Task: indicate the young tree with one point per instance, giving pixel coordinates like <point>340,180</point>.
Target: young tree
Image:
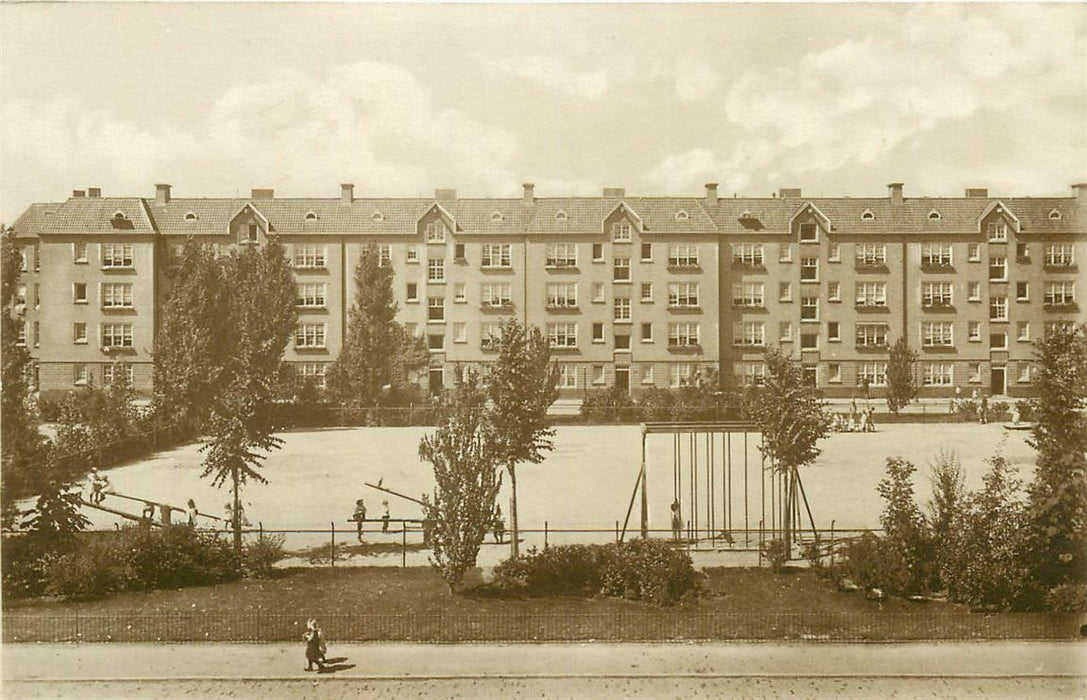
<point>1057,545</point>
<point>258,322</point>
<point>791,419</point>
<point>468,477</point>
<point>901,386</point>
<point>904,526</point>
<point>56,514</point>
<point>522,385</point>
<point>189,350</point>
<point>948,480</point>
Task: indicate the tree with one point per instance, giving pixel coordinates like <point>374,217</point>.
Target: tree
<point>904,526</point>
<point>901,386</point>
<point>255,327</point>
<point>1057,505</point>
<point>56,514</point>
<point>522,385</point>
<point>189,350</point>
<point>948,479</point>
<point>791,419</point>
<point>377,355</point>
<point>467,474</point>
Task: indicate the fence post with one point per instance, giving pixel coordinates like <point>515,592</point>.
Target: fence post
<point>760,542</point>
<point>332,554</point>
<point>545,535</point>
<point>403,544</point>
<point>616,530</point>
<point>832,545</point>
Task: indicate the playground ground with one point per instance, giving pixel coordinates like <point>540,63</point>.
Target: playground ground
<point>586,483</point>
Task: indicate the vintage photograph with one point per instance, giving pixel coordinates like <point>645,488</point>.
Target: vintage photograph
<point>543,350</point>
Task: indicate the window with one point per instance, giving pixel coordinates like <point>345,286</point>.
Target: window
<point>620,232</point>
<point>497,216</point>
<point>384,255</point>
<point>496,255</point>
<point>834,252</point>
<point>377,216</point>
<point>251,233</point>
<point>561,216</point>
<point>809,340</point>
<point>752,373</point>
<point>681,374</point>
<point>435,270</point>
<point>647,374</point>
<point>747,255</point>
<point>496,295</point>
<point>190,216</point>
<point>936,255</point>
<point>834,373</point>
<point>647,332</point>
<point>490,333</point>
<point>871,335</point>
<point>973,252</point>
<point>872,374</point>
<point>1022,252</point>
<point>412,293</point>
<point>116,335</point>
<point>682,335</point>
<point>460,293</point>
<point>598,332</point>
<point>998,232</point>
<point>79,333</point>
<point>79,252</point>
<point>111,373</point>
<point>1024,373</point>
<point>411,254</point>
<point>458,252</point>
<point>1022,291</point>
<point>310,217</point>
<point>81,375</point>
<point>621,270</point>
<point>567,376</point>
<point>647,292</point>
<point>809,269</point>
<point>683,294</point>
<point>311,372</point>
<point>834,331</point>
<point>748,333</point>
<point>79,292</point>
<point>998,309</point>
<point>598,293</point>
<point>974,291</point>
<point>937,334</point>
<point>460,332</point>
<point>871,254</point>
<point>435,341</point>
<point>598,374</point>
<point>785,331</point>
<point>1055,215</point>
<point>1022,331</point>
<point>936,294</point>
<point>647,252</point>
<point>598,252</point>
<point>998,268</point>
<point>1059,255</point>
<point>622,341</point>
<point>870,294</point>
<point>20,295</point>
<point>868,215</point>
<point>682,215</point>
<point>973,331</point>
<point>785,254</point>
<point>20,338</point>
<point>974,373</point>
<point>309,256</point>
<point>561,255</point>
<point>785,291</point>
<point>809,308</point>
<point>998,341</point>
<point>309,335</point>
<point>37,295</point>
<point>562,295</point>
<point>937,374</point>
<point>435,308</point>
<point>562,335</point>
<point>934,215</point>
<point>310,295</point>
<point>116,255</point>
<point>809,233</point>
<point>834,291</point>
<point>116,295</point>
<point>622,310</point>
<point>1060,293</point>
<point>1054,326</point>
<point>435,232</point>
<point>748,295</point>
<point>685,255</point>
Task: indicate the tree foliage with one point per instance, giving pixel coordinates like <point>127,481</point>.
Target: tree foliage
<point>904,526</point>
<point>901,384</point>
<point>468,477</point>
<point>789,414</point>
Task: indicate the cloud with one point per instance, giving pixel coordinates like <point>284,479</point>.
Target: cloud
<point>695,80</point>
<point>559,75</point>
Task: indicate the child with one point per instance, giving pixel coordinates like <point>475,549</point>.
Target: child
<point>315,653</point>
<point>192,512</point>
<point>499,525</point>
<point>359,517</point>
<point>385,516</point>
<point>677,522</point>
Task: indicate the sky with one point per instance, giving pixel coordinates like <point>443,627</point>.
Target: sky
<point>660,99</point>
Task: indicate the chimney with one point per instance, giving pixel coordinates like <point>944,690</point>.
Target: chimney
<point>262,194</point>
<point>711,193</point>
<point>95,192</point>
<point>445,194</point>
<point>347,193</point>
<point>529,192</point>
<point>79,193</point>
<point>162,195</point>
<point>1081,191</point>
<point>614,192</point>
<point>789,193</point>
<point>895,191</point>
<point>977,193</point>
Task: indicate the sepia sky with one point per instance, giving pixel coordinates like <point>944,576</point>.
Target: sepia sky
<point>835,99</point>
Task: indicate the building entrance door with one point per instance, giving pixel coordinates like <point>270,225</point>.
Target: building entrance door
<point>997,378</point>
<point>437,380</point>
<point>622,379</point>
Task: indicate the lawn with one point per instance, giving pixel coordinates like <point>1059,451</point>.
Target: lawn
<point>379,603</point>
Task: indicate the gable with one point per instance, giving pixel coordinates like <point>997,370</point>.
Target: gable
<point>622,213</point>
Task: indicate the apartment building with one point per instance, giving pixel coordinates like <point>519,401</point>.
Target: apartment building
<point>632,292</point>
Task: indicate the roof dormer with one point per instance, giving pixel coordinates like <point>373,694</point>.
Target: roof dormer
<point>996,213</point>
<point>621,221</point>
<point>434,222</point>
<point>248,225</point>
<point>807,221</point>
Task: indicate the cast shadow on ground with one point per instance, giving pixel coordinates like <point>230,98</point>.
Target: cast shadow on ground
<point>335,664</point>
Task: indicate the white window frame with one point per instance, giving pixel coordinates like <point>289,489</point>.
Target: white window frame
<point>622,309</point>
<point>937,334</point>
<point>998,231</point>
<point>1022,331</point>
<point>683,295</point>
<point>599,295</point>
<point>973,252</point>
<point>1001,262</point>
<point>496,256</point>
<point>460,293</point>
<point>875,372</point>
<point>813,227</point>
<point>310,256</point>
<point>785,331</point>
<point>869,254</point>
<point>937,255</point>
<point>435,309</point>
<point>411,254</point>
<point>998,308</point>
<point>117,335</point>
<point>973,331</point>
<point>647,292</point>
<point>79,253</point>
<point>435,270</point>
<point>1060,254</point>
<point>490,333</point>
<point>683,334</point>
<point>117,256</point>
<point>562,335</point>
<point>748,295</point>
<point>310,336</point>
<point>567,375</point>
<point>1060,293</point>
<point>834,290</point>
<point>809,302</point>
<point>871,294</point>
<point>683,254</point>
<point>749,334</point>
<point>937,294</point>
<point>620,269</point>
<point>938,374</point>
<point>809,265</point>
<point>747,254</point>
<point>435,232</point>
<point>871,335</point>
<point>560,255</point>
<point>621,232</point>
<point>496,295</point>
<point>562,295</point>
<point>79,333</point>
<point>310,295</point>
<point>785,292</point>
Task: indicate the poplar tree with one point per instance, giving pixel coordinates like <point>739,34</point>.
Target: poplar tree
<point>901,385</point>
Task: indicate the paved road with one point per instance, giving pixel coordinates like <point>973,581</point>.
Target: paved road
<point>996,669</point>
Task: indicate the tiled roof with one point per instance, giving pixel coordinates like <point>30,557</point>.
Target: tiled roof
<point>581,215</point>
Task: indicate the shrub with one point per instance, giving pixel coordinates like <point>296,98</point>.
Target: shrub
<point>904,527</point>
<point>1026,410</point>
<point>774,552</point>
<point>26,559</point>
<point>657,404</point>
<point>968,408</point>
<point>93,571</point>
<point>564,570</point>
<point>874,562</point>
<point>260,556</point>
<point>1067,597</point>
<point>607,405</point>
<point>999,410</point>
<point>175,557</point>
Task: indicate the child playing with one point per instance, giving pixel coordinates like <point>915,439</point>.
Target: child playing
<point>315,646</point>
